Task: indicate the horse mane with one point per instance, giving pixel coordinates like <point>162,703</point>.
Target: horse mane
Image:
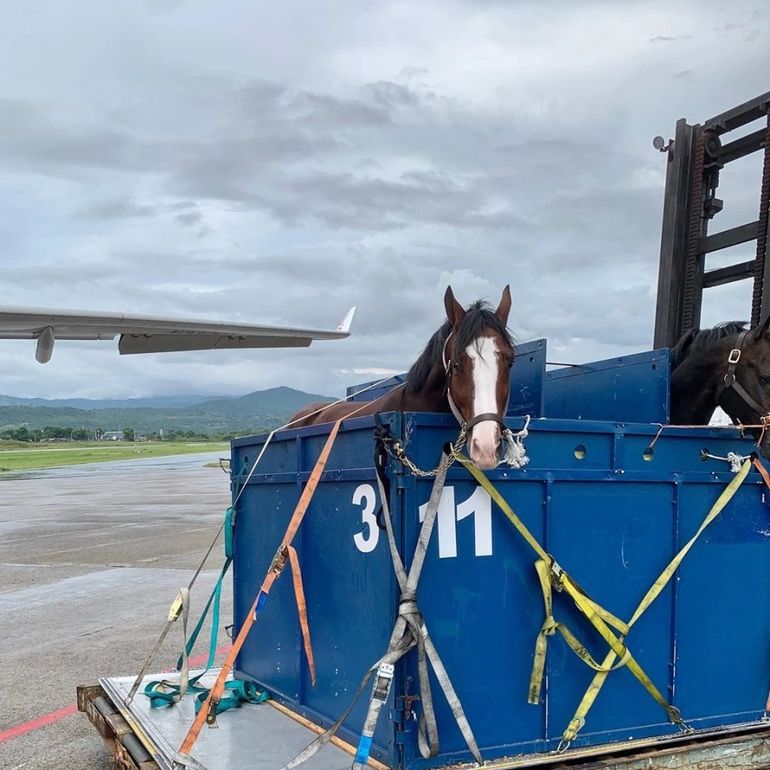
<point>697,339</point>
<point>478,317</point>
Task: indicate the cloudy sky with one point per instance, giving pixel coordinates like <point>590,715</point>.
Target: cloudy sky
<point>278,162</point>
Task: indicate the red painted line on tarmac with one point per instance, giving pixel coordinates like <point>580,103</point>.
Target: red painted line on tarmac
<point>196,660</point>
<point>36,724</point>
<point>68,711</point>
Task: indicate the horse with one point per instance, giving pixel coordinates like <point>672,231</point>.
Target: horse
<point>464,369</point>
<point>726,366</point>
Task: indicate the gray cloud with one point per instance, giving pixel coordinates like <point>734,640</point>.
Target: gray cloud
<point>119,208</point>
<point>281,163</point>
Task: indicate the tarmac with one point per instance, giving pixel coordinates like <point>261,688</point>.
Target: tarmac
<point>91,557</point>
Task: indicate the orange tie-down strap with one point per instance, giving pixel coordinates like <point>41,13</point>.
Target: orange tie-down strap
<point>759,465</point>
<point>299,596</point>
<point>207,713</point>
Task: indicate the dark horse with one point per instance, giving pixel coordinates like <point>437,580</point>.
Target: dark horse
<point>464,369</point>
<point>727,366</point>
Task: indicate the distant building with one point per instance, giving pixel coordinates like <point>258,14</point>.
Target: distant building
<point>112,435</point>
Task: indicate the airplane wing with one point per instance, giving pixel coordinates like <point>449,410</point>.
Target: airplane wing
<point>148,334</point>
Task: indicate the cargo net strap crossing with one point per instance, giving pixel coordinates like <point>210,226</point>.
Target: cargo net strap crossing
<point>409,632</point>
<point>551,575</point>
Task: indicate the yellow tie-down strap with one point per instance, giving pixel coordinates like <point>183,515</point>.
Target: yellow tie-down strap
<point>598,681</point>
<point>551,575</point>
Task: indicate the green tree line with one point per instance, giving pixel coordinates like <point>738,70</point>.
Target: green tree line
<point>59,433</point>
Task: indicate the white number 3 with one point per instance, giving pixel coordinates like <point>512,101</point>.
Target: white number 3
<point>366,495</point>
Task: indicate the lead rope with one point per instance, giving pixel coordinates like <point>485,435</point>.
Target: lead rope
<point>515,452</point>
<point>409,632</point>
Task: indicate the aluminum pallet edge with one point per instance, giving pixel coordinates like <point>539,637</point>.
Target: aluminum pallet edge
<point>130,748</point>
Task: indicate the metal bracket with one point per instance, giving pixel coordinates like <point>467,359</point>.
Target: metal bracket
<point>735,356</point>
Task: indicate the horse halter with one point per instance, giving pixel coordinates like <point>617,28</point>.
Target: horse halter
<point>731,382</point>
<point>466,425</point>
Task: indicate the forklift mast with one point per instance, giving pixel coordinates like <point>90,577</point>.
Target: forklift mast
<point>696,155</point>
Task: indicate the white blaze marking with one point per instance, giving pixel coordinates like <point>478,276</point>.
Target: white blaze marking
<point>483,354</point>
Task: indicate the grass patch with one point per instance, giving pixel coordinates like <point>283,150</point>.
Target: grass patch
<point>55,455</point>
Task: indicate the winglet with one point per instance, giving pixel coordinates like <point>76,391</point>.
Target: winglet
<point>347,321</point>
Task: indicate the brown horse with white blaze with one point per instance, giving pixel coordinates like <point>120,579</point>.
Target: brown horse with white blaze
<point>464,369</point>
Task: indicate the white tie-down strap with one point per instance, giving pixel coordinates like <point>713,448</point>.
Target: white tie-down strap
<point>409,632</point>
<point>515,451</point>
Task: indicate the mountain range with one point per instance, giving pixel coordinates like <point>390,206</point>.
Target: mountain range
<point>252,413</point>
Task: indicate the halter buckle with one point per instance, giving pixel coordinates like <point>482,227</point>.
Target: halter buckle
<point>735,356</point>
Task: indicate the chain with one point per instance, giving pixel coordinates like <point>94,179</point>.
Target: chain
<point>694,232</point>
<point>764,210</point>
<point>397,451</point>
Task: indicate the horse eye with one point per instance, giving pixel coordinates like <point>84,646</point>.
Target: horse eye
<point>765,379</point>
<point>456,366</point>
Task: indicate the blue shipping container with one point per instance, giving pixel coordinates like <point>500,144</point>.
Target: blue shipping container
<point>611,511</point>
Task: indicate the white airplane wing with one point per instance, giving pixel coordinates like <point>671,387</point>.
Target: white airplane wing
<point>140,334</point>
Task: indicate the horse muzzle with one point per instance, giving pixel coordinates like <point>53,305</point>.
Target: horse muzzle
<point>484,439</point>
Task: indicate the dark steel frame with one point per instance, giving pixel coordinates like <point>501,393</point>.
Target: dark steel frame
<point>695,157</point>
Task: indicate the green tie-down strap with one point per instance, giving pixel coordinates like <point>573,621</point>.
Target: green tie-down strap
<point>162,694</point>
<point>229,524</point>
<point>240,691</point>
<point>214,598</point>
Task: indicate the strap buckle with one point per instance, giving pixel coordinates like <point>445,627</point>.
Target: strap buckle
<point>735,356</point>
<point>383,681</point>
<point>211,713</point>
<point>175,610</point>
<point>556,573</point>
<point>279,560</point>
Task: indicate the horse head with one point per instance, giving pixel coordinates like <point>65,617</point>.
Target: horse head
<point>727,366</point>
<point>477,357</point>
<point>744,389</point>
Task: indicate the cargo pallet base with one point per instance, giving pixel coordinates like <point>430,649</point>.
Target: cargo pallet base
<point>258,737</point>
<point>264,737</point>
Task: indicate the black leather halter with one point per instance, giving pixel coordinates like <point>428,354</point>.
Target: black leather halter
<point>485,417</point>
<point>730,382</point>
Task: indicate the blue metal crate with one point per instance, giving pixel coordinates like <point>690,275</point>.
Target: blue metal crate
<point>527,382</point>
<point>632,388</point>
<point>611,512</point>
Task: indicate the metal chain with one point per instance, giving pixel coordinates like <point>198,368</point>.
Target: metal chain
<point>397,451</point>
<point>693,234</point>
<point>764,210</point>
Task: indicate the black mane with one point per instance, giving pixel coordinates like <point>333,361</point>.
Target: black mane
<point>697,339</point>
<point>478,317</point>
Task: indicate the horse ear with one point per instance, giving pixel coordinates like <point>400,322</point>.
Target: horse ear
<point>454,310</point>
<point>761,330</point>
<point>504,308</point>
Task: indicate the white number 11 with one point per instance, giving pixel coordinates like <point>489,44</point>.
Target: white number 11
<point>478,505</point>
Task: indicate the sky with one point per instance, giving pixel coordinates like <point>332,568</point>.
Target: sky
<point>281,162</point>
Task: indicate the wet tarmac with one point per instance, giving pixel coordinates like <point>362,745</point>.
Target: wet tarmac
<point>91,557</point>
